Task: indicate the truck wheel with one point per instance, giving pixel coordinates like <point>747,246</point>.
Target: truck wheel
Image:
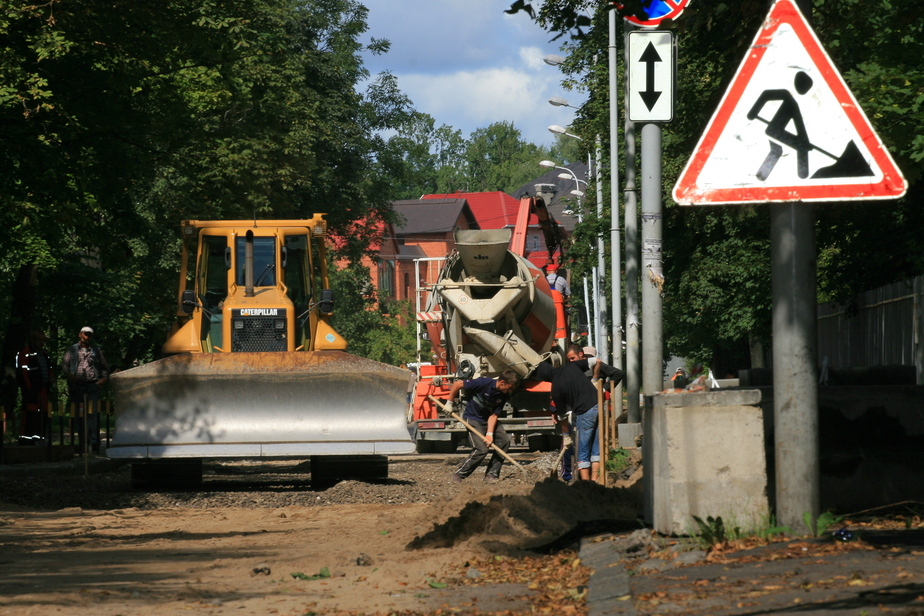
<point>167,474</point>
<point>328,470</point>
<point>538,442</point>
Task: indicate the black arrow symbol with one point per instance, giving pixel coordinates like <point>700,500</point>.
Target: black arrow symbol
<point>649,95</point>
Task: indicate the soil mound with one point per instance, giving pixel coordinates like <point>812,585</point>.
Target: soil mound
<point>550,516</point>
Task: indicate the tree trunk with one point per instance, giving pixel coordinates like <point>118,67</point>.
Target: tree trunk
<point>757,352</point>
<point>22,313</point>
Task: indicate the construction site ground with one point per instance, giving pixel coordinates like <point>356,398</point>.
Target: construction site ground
<point>258,539</point>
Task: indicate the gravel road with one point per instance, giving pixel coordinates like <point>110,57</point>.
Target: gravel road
<point>252,484</point>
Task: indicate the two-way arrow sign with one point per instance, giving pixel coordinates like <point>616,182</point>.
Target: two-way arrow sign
<point>652,68</point>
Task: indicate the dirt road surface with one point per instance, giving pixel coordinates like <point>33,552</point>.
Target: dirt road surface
<point>258,539</point>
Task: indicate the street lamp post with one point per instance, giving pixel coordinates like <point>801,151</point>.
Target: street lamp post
<point>599,305</point>
<point>580,216</point>
<point>616,248</point>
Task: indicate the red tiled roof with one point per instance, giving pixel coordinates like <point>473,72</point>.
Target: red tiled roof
<point>492,210</point>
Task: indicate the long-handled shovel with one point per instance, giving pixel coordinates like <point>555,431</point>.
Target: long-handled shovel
<point>561,454</point>
<point>479,434</point>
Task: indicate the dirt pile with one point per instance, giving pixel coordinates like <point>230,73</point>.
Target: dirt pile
<point>548,515</point>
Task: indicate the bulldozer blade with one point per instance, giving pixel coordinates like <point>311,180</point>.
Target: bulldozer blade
<point>260,405</point>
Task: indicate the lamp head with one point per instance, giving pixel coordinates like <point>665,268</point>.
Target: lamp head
<point>553,60</point>
<point>547,163</point>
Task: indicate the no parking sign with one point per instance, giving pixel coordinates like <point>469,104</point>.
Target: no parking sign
<point>657,11</point>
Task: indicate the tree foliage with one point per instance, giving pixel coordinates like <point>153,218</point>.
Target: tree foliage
<point>717,292</point>
<point>440,160</point>
<point>119,119</point>
<point>378,329</point>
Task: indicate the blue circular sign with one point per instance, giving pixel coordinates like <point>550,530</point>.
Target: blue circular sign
<point>657,11</point>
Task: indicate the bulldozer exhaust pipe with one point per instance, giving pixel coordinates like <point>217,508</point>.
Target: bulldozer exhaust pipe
<point>248,265</point>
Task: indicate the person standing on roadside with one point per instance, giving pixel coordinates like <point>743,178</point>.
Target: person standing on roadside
<point>86,370</point>
<point>34,375</point>
<point>487,398</point>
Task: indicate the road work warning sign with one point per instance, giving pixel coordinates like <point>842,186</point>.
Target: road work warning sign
<point>788,129</point>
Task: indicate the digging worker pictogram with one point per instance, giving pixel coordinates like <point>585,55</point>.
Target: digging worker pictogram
<point>788,112</point>
<point>849,164</point>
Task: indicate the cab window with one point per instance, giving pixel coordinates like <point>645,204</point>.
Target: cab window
<point>264,261</point>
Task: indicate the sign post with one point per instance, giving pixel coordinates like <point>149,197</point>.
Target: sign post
<point>788,131</point>
<point>651,59</point>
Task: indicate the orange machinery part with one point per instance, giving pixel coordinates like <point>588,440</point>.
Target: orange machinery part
<point>425,409</point>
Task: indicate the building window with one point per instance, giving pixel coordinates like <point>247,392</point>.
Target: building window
<point>386,279</point>
<point>535,247</point>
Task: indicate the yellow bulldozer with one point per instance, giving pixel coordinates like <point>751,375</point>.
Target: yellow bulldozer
<point>253,367</point>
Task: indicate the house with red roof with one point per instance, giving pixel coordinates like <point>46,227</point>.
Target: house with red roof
<point>498,210</point>
<point>424,230</point>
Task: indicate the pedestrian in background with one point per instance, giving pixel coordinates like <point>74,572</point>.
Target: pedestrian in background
<point>86,370</point>
<point>557,281</point>
<point>34,375</point>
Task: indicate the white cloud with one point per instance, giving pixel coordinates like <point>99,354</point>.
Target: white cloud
<point>468,64</point>
<point>468,100</point>
<point>532,58</point>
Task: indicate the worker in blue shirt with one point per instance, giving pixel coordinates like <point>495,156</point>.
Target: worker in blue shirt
<point>486,401</point>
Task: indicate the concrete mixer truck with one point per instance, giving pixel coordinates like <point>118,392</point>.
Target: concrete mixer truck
<point>254,368</point>
<point>490,309</point>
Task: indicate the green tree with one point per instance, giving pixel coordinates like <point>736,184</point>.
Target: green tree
<point>428,159</point>
<point>378,329</point>
<point>118,120</point>
<point>498,158</point>
<point>717,291</point>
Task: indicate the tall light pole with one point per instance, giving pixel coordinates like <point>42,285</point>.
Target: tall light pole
<point>615,246</point>
<point>548,164</point>
<point>599,303</point>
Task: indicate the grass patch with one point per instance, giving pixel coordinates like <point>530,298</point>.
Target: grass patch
<point>618,460</point>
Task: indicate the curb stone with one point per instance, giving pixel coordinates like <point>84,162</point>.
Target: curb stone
<point>608,590</point>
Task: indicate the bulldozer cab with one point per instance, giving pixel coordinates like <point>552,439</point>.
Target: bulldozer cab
<point>249,287</point>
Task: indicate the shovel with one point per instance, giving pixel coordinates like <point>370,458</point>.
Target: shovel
<point>561,454</point>
<point>478,434</point>
<point>850,164</point>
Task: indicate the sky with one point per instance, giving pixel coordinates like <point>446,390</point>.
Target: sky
<point>468,64</point>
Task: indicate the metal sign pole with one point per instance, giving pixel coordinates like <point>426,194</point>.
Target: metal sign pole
<point>795,384</point>
<point>631,226</point>
<point>652,270</point>
<point>615,242</point>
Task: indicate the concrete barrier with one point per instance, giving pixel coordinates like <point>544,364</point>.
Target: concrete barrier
<point>703,455</point>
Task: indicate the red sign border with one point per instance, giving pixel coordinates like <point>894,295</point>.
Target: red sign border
<point>892,185</point>
<point>680,5</point>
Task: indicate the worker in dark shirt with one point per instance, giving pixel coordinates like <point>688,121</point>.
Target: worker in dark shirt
<point>608,372</point>
<point>572,389</point>
<point>486,401</point>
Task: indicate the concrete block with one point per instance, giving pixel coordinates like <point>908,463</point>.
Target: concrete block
<point>704,456</point>
<point>627,433</point>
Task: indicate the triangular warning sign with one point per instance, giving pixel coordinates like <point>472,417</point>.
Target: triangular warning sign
<point>788,129</point>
